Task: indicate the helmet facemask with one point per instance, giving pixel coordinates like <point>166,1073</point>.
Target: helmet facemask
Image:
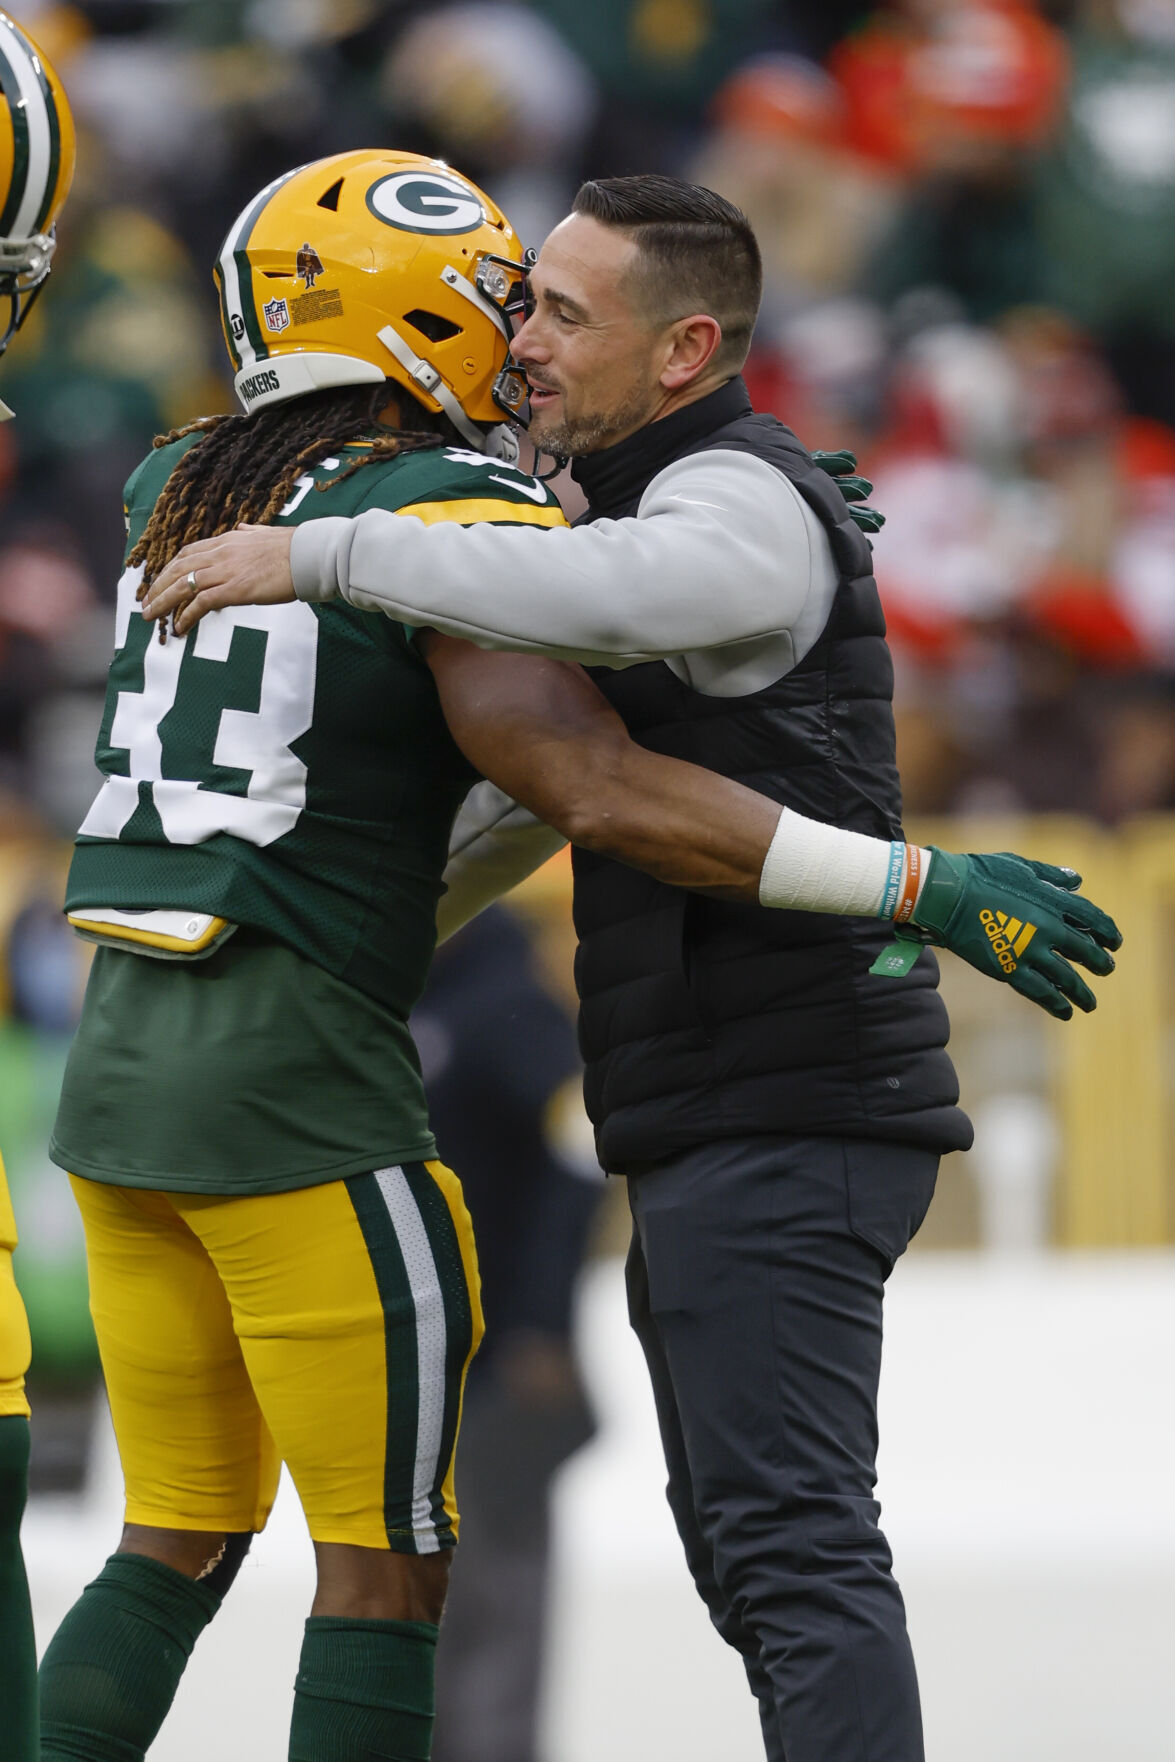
<point>24,269</point>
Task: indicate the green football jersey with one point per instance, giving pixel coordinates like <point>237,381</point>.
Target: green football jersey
<point>253,1071</point>
<point>287,768</point>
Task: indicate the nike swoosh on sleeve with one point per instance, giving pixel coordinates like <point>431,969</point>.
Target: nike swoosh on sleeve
<point>693,502</point>
<point>535,491</point>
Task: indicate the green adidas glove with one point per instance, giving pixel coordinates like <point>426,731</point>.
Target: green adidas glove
<point>841,467</point>
<point>1018,921</point>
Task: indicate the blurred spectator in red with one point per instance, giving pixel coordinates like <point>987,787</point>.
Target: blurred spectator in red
<point>1142,565</point>
<point>43,588</point>
<point>941,85</point>
<point>964,532</point>
<point>1070,413</point>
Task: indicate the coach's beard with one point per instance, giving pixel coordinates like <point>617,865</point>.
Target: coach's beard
<point>590,433</point>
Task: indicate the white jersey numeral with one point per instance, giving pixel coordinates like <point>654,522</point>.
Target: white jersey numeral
<point>303,485</point>
<point>257,741</point>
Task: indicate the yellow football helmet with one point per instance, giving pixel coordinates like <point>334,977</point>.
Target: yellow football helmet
<point>37,147</point>
<point>376,265</point>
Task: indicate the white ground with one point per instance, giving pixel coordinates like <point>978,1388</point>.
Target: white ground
<point>1028,1425</point>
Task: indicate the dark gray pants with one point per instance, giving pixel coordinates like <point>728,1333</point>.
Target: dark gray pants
<point>755,1285</point>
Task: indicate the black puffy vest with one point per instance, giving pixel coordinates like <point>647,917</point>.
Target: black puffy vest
<point>703,1020</point>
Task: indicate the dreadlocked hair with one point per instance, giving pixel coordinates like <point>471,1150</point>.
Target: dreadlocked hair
<point>245,467</point>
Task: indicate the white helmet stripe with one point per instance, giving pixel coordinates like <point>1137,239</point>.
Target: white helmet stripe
<point>40,140</point>
<point>244,335</point>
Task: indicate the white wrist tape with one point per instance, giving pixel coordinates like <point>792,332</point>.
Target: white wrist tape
<point>811,867</point>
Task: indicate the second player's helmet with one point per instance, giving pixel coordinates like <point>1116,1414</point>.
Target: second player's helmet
<point>36,169</point>
<point>370,266</point>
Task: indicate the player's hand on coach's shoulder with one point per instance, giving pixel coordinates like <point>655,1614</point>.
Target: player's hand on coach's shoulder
<point>1019,921</point>
<point>248,566</point>
<point>842,468</point>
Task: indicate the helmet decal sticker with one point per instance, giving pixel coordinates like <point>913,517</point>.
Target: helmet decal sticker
<point>319,303</point>
<point>426,202</point>
<point>277,314</point>
<point>309,266</point>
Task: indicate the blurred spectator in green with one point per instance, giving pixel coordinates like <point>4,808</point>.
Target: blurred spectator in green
<point>1106,207</point>
<point>120,352</point>
<point>671,54</point>
<point>656,63</point>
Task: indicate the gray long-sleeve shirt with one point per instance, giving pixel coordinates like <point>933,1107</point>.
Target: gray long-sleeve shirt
<point>724,573</point>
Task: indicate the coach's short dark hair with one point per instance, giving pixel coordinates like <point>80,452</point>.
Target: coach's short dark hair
<point>697,253</point>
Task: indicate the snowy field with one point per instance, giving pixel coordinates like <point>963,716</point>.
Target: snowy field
<point>1028,1426</point>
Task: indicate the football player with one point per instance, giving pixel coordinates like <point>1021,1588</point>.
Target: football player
<point>280,1270</point>
<point>36,168</point>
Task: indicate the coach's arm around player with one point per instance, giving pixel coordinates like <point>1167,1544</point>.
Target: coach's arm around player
<point>697,833</point>
<point>545,736</point>
<point>541,732</point>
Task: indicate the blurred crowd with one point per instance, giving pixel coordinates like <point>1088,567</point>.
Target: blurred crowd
<point>967,213</point>
<point>967,209</point>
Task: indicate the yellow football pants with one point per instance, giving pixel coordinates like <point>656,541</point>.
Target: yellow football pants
<point>329,1327</point>
<point>14,1326</point>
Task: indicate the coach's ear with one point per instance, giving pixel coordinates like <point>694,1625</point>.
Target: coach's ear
<point>690,346</point>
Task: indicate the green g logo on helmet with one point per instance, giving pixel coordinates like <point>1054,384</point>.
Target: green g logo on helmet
<point>430,202</point>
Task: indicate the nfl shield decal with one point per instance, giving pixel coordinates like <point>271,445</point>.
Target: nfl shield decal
<point>277,314</point>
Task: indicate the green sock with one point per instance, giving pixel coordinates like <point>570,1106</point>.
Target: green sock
<point>112,1668</point>
<point>18,1654</point>
<point>364,1691</point>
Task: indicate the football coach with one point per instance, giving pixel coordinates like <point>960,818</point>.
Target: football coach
<point>774,1084</point>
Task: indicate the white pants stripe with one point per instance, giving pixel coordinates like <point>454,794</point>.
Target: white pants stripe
<point>431,1347</point>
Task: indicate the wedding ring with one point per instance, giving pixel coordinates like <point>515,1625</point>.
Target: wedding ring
<point>192,580</point>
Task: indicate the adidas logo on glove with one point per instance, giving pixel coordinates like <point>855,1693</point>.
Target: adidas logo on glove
<point>1009,937</point>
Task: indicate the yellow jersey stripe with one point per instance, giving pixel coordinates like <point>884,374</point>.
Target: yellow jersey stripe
<point>467,512</point>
